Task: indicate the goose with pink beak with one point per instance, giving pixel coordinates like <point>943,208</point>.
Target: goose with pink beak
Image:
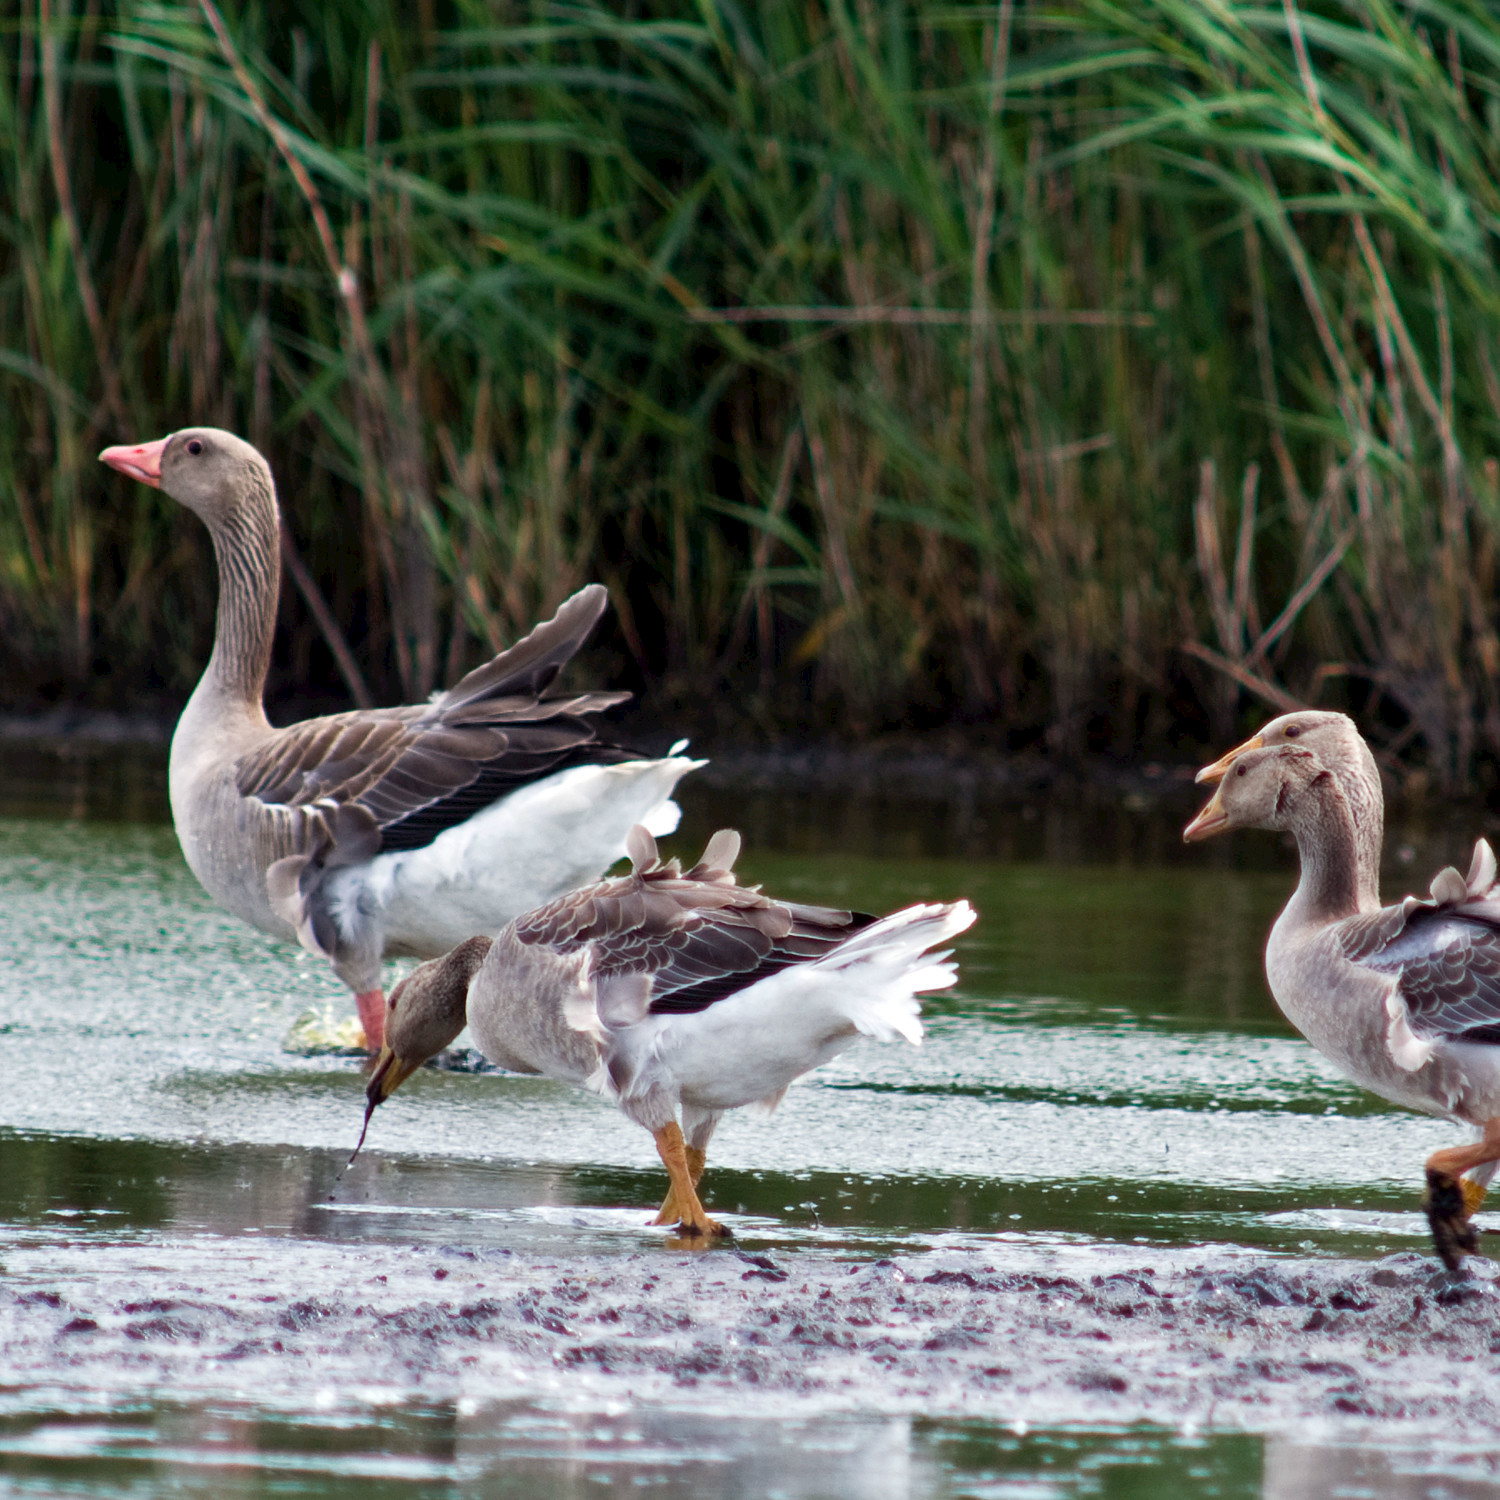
<point>388,831</point>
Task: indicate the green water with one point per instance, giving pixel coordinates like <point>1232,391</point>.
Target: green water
<point>530,1451</point>
<point>1110,1069</point>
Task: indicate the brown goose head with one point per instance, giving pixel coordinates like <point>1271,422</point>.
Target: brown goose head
<point>426,1011</point>
<point>1274,786</point>
<point>212,472</point>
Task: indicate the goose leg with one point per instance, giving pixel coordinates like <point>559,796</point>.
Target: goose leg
<point>371,1004</point>
<point>670,1213</point>
<point>698,1126</point>
<point>1452,1199</point>
<point>692,1221</point>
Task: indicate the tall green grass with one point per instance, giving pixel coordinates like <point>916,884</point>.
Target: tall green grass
<point>1088,373</point>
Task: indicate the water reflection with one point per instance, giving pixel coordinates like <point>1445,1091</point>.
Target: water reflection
<point>76,779</point>
<point>553,1452</point>
<point>113,1187</point>
<point>1300,1469</point>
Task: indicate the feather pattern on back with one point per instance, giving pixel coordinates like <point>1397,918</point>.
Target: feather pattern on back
<point>1443,951</point>
<point>426,767</point>
<point>695,938</point>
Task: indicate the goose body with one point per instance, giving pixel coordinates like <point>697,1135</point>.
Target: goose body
<point>678,996</point>
<point>383,831</point>
<point>1405,998</point>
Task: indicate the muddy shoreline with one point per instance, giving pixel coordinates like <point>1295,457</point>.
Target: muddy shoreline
<point>944,762</point>
<point>1205,1339</point>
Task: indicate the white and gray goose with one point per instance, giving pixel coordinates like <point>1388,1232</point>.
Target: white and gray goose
<point>674,995</point>
<point>390,831</point>
<point>1404,999</point>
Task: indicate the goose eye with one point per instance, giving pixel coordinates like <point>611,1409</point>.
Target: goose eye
<point>1239,770</point>
<point>194,446</point>
<point>1292,731</point>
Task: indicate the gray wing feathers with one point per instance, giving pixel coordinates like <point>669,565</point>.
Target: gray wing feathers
<point>399,760</point>
<point>719,857</point>
<point>331,834</point>
<point>1444,952</point>
<point>337,790</point>
<point>528,668</point>
<point>698,937</point>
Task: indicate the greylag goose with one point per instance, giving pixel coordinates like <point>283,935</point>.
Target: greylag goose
<point>1403,999</point>
<point>383,831</point>
<point>1333,738</point>
<point>670,992</point>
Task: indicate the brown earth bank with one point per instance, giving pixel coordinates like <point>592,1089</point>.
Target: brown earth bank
<point>912,763</point>
<point>1014,1329</point>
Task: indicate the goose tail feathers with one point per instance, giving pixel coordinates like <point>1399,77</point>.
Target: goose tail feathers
<point>893,963</point>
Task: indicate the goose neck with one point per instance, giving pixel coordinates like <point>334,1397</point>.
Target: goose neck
<point>1336,880</point>
<point>247,546</point>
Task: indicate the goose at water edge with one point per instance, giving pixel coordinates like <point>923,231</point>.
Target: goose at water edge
<point>1403,999</point>
<point>669,992</point>
<point>383,831</point>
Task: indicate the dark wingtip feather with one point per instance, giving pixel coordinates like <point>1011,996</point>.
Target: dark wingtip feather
<point>532,663</point>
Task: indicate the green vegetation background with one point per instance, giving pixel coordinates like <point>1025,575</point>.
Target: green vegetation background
<point>1087,374</point>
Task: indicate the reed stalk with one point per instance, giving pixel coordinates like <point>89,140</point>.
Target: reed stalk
<point>894,365</point>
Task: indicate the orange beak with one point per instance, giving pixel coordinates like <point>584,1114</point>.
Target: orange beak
<point>1213,819</point>
<point>140,460</point>
<point>1220,768</point>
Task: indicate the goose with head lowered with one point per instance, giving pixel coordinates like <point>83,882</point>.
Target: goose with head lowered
<point>1403,999</point>
<point>389,831</point>
<point>674,995</point>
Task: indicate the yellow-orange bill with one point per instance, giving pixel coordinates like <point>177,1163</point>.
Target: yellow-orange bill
<point>1213,819</point>
<point>390,1073</point>
<point>1220,768</point>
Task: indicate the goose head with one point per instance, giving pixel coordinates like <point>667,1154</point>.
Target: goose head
<point>1273,786</point>
<point>212,472</point>
<point>1332,737</point>
<point>426,1011</point>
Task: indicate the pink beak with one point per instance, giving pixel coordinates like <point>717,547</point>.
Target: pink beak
<point>140,461</point>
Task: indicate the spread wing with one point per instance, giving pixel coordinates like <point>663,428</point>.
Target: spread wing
<point>1444,953</point>
<point>419,770</point>
<point>666,943</point>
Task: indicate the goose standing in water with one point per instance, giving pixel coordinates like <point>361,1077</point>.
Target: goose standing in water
<point>1403,999</point>
<point>382,831</point>
<point>669,992</point>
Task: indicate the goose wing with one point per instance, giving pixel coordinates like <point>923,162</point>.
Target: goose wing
<point>416,771</point>
<point>661,942</point>
<point>1444,953</point>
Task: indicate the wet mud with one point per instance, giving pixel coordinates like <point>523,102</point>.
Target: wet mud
<point>1205,1339</point>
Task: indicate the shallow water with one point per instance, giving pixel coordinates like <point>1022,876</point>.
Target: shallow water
<point>1111,1071</point>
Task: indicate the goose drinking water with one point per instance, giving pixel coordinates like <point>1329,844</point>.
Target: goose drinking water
<point>678,996</point>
